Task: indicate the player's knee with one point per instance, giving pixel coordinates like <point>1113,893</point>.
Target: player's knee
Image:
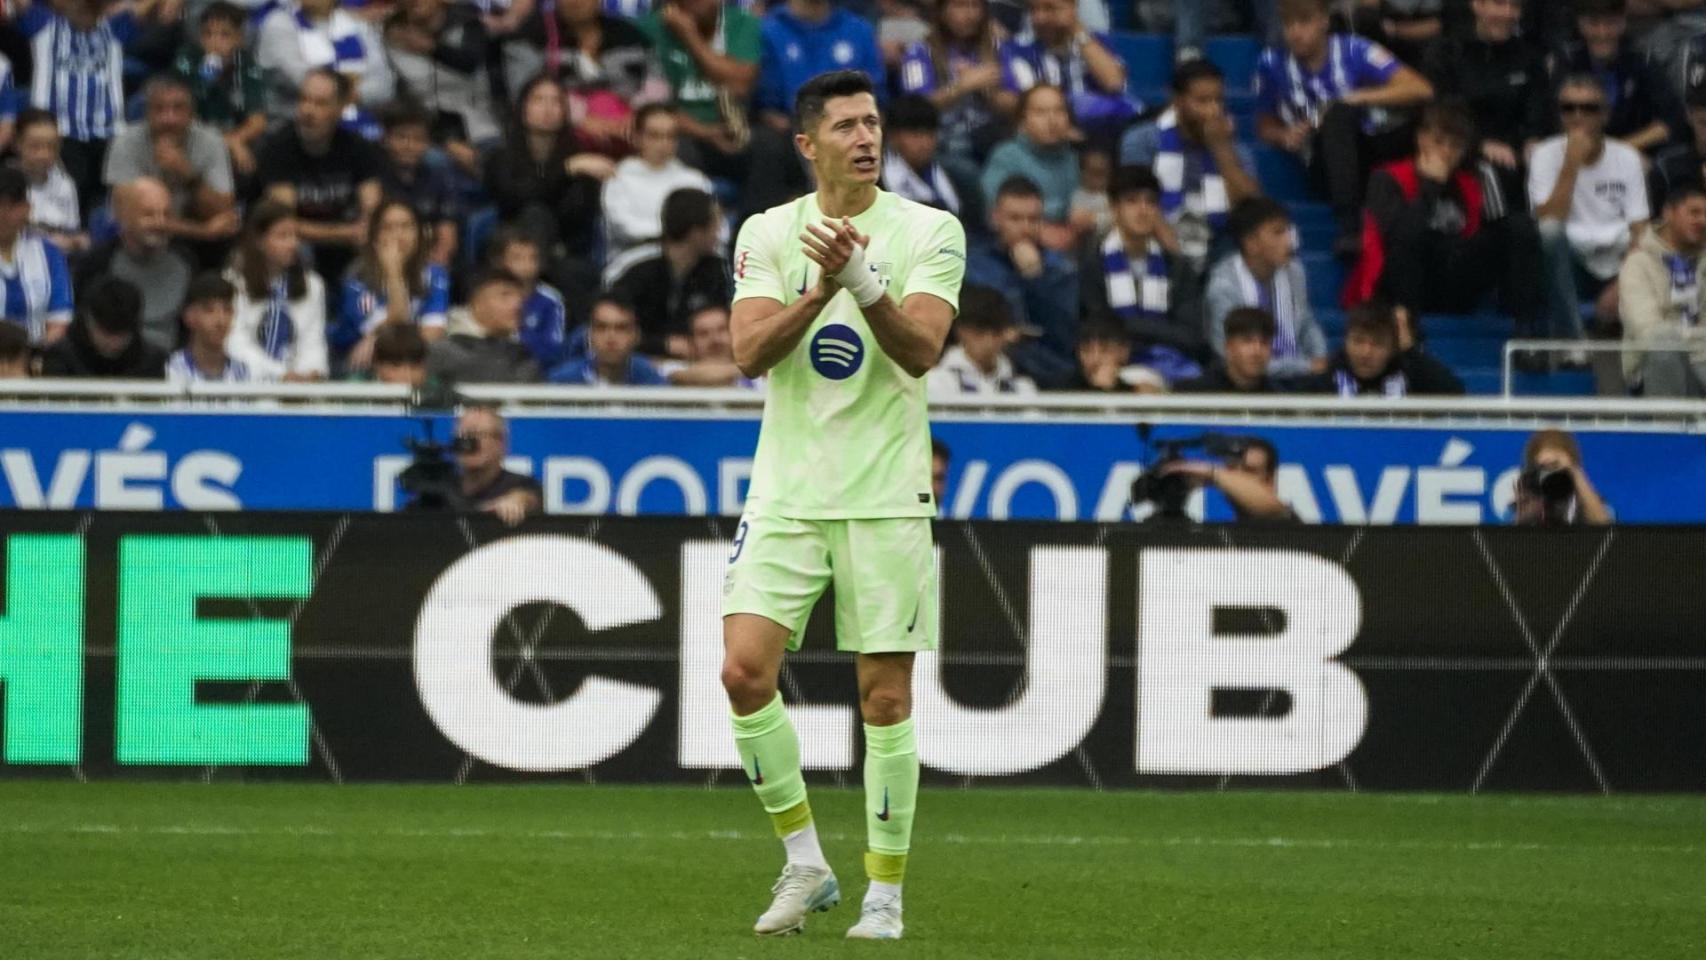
<point>749,687</point>
<point>885,707</point>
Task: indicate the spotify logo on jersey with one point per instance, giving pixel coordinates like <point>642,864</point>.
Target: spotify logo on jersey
<point>837,351</point>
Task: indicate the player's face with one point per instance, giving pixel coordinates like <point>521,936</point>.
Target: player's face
<point>1368,354</point>
<point>847,145</point>
<point>1247,357</point>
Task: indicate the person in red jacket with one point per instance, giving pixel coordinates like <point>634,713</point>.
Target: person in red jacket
<point>1438,237</point>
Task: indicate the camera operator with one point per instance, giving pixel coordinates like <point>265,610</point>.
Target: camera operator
<point>1248,479</point>
<point>482,484</point>
<point>1553,490</point>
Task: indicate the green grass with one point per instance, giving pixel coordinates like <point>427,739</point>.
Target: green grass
<point>160,872</point>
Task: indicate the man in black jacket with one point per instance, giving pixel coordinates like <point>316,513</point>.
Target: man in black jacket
<point>1249,346</point>
<point>1683,163</point>
<point>1643,111</point>
<point>667,283</point>
<point>105,339</point>
<point>1501,78</point>
<point>1382,359</point>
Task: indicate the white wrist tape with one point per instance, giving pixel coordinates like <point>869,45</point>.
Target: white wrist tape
<point>860,280</point>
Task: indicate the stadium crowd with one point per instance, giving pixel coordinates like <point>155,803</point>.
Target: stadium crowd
<point>479,191</point>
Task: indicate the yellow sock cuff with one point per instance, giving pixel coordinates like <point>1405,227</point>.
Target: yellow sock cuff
<point>885,867</point>
<point>792,820</point>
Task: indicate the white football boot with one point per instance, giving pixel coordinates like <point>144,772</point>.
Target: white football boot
<point>879,919</point>
<point>799,891</point>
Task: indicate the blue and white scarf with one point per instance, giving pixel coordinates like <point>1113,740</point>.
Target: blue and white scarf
<point>1276,299</point>
<point>937,191</point>
<point>277,329</point>
<point>1133,295</point>
<point>338,44</point>
<point>1391,385</point>
<point>1685,287</point>
<point>1207,198</point>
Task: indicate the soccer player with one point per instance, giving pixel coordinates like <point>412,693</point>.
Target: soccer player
<point>844,298</point>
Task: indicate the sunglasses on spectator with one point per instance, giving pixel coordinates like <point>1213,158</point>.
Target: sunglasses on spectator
<point>1579,107</point>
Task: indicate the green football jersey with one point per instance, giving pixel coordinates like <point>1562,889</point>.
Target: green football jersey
<point>846,432</point>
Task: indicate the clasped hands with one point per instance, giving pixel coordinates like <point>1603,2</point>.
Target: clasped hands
<point>838,248</point>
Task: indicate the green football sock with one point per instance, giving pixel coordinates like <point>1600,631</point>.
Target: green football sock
<point>770,753</point>
<point>891,793</point>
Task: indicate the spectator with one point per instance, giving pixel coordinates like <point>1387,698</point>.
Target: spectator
<point>225,81</point>
<point>977,363</point>
<point>392,281</point>
<point>711,359</point>
<point>106,338</point>
<point>1042,154</point>
<point>328,174</point>
<point>1436,237</point>
<point>1104,355</point>
<point>1678,164</point>
<point>1190,18</point>
<point>1541,501</point>
<point>1132,274</point>
<point>485,486</point>
<point>1411,29</point>
<point>16,362</point>
<point>1243,367</point>
<point>1498,74</point>
<point>605,66</point>
<point>1249,480</point>
<point>400,356</point>
<point>633,197</point>
<point>1661,296</point>
<point>53,197</point>
<point>426,188</point>
<point>911,166</point>
<point>1265,274</point>
<point>544,319</point>
<point>188,158</point>
<point>1641,108</point>
<point>1038,283</point>
<point>438,50</point>
<point>1060,52</point>
<point>142,254</point>
<point>612,336</point>
<point>958,67</point>
<point>1193,148</point>
<point>802,38</point>
<point>78,52</point>
<point>542,184</point>
<point>298,37</point>
<point>492,355</point>
<point>207,326</point>
<point>33,274</point>
<point>1382,359</point>
<point>1327,99</point>
<point>709,54</point>
<point>681,275</point>
<point>1090,200</point>
<point>1590,196</point>
<point>278,327</point>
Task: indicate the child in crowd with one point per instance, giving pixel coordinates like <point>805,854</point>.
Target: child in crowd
<point>544,320</point>
<point>208,311</point>
<point>54,211</point>
<point>230,95</point>
<point>279,326</point>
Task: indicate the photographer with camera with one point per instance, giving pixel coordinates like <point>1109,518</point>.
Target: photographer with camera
<point>1553,490</point>
<point>477,482</point>
<point>1245,470</point>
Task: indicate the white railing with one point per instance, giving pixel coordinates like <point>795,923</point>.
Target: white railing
<point>1671,415</point>
<point>1514,347</point>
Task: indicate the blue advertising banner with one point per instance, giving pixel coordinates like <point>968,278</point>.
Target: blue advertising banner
<point>225,460</point>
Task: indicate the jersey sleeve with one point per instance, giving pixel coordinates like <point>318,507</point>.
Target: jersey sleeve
<point>940,266</point>
<point>1372,65</point>
<point>758,263</point>
<point>59,284</point>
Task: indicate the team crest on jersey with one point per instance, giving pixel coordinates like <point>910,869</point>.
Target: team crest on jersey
<point>837,352</point>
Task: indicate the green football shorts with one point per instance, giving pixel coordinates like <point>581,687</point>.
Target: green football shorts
<point>883,571</point>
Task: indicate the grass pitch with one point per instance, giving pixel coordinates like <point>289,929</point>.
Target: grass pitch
<point>160,872</point>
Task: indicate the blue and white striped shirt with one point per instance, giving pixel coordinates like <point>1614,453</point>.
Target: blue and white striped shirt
<point>79,74</point>
<point>1295,94</point>
<point>37,285</point>
<point>181,368</point>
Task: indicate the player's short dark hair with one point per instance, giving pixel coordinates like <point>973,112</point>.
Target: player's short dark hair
<point>1449,120</point>
<point>209,286</point>
<point>14,187</point>
<point>1191,71</point>
<point>1103,329</point>
<point>1250,322</point>
<point>686,210</point>
<point>983,308</point>
<point>112,304</point>
<point>399,344</point>
<point>404,113</point>
<point>816,93</point>
<point>1685,191</point>
<point>1129,180</point>
<point>1018,187</point>
<point>915,113</point>
<point>1600,8</point>
<point>492,276</point>
<point>34,116</point>
<point>1375,319</point>
<point>223,11</point>
<point>1253,214</point>
<point>14,342</point>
